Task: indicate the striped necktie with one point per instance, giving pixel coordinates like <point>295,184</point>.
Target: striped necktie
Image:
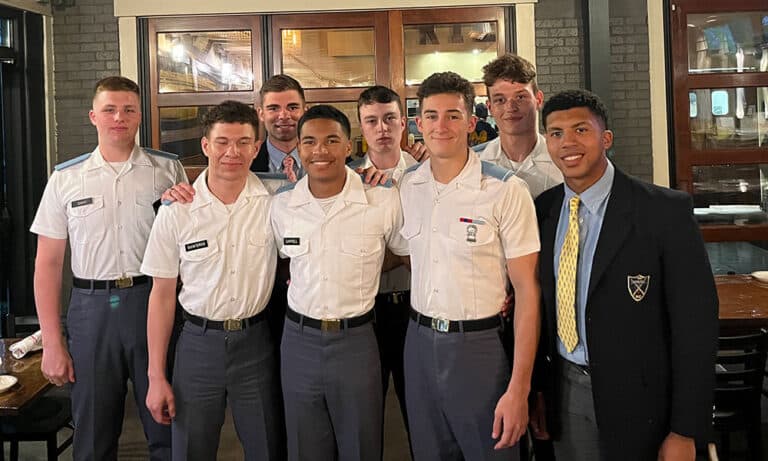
<point>288,163</point>
<point>566,280</point>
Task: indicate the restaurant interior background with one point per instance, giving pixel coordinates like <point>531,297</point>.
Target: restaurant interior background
<point>686,84</point>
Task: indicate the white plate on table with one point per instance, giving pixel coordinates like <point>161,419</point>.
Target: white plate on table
<point>760,276</point>
<point>7,382</point>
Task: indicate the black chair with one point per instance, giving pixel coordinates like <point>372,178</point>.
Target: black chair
<point>41,421</point>
<point>739,381</point>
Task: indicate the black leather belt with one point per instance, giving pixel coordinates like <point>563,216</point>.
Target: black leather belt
<point>455,326</point>
<point>329,324</point>
<point>395,297</point>
<point>124,282</point>
<point>226,325</point>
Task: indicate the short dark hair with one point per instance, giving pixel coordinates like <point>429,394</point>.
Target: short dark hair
<point>116,83</point>
<point>230,112</point>
<point>326,112</point>
<point>510,67</point>
<point>447,82</point>
<point>378,94</point>
<point>279,83</point>
<point>570,99</point>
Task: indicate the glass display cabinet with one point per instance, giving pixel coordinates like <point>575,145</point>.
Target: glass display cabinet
<point>720,94</point>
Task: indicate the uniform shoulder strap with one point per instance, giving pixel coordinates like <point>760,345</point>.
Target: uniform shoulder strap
<point>73,161</point>
<point>161,153</point>
<point>495,171</point>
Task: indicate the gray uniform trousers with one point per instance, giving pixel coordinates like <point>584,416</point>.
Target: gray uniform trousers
<point>107,336</point>
<point>579,440</point>
<point>453,382</point>
<point>216,367</point>
<point>332,393</point>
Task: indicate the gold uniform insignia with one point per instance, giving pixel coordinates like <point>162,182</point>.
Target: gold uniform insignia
<point>637,285</point>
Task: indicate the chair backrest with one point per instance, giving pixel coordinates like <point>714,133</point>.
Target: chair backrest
<point>739,372</point>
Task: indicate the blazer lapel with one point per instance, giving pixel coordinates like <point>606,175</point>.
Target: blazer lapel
<point>261,162</point>
<point>616,227</point>
<point>548,229</point>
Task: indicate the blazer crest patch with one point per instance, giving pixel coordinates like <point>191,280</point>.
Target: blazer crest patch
<point>637,285</point>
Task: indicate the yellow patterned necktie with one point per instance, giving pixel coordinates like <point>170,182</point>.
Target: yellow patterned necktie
<point>566,279</point>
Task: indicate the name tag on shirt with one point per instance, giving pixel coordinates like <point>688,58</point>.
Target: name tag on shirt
<point>196,245</point>
<point>291,241</point>
<point>82,202</point>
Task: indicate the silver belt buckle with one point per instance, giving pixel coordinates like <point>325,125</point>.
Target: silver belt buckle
<point>124,282</point>
<point>233,325</point>
<point>441,325</point>
<point>330,325</point>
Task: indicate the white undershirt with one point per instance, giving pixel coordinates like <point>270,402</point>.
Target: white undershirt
<point>327,203</point>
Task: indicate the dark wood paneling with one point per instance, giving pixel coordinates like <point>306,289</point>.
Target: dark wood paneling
<point>200,24</point>
<point>683,82</point>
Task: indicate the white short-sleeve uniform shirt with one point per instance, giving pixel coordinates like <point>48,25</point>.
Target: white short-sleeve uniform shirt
<point>225,254</point>
<point>461,235</point>
<point>105,212</point>
<point>336,257</point>
<point>537,170</point>
<point>399,278</point>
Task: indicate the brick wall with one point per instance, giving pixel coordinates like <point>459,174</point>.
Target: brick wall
<point>560,65</point>
<point>559,54</point>
<point>631,111</point>
<point>85,44</point>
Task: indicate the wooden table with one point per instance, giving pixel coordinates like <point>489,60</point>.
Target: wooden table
<point>743,303</point>
<point>31,383</point>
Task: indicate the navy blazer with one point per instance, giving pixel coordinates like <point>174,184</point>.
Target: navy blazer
<point>651,345</point>
<point>261,162</point>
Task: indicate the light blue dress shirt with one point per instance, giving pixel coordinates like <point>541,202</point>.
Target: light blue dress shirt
<point>276,157</point>
<point>591,213</point>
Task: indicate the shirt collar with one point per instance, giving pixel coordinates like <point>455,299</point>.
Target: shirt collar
<point>471,175</point>
<point>204,196</point>
<point>352,192</point>
<point>137,157</point>
<point>276,156</point>
<point>401,164</point>
<point>596,193</point>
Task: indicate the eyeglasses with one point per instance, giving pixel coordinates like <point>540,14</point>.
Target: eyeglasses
<point>240,145</point>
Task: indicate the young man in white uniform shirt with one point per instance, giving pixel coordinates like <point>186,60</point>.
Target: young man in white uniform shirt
<point>469,226</point>
<point>222,247</point>
<point>382,123</point>
<point>335,230</point>
<point>102,202</point>
<point>514,100</point>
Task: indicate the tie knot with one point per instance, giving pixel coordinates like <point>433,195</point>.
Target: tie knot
<point>573,203</point>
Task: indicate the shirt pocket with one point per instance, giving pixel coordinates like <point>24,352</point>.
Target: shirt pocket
<point>199,251</point>
<point>199,269</point>
<point>258,249</point>
<point>363,253</point>
<point>470,235</point>
<point>411,230</point>
<point>297,247</point>
<point>144,213</point>
<point>87,221</point>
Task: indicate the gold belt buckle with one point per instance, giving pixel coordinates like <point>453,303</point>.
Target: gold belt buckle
<point>124,282</point>
<point>233,325</point>
<point>441,325</point>
<point>330,325</point>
